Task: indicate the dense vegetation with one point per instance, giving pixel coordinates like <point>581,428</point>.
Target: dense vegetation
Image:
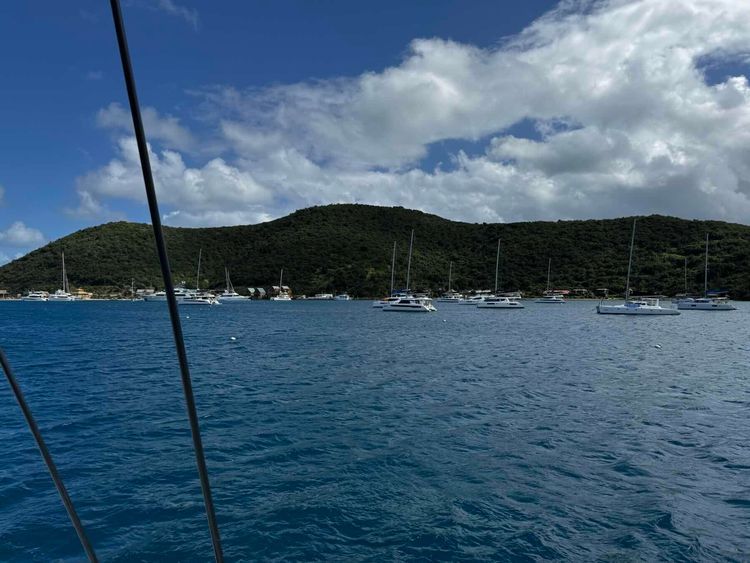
<point>348,248</point>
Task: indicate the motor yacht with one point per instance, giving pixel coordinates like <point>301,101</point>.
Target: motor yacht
<point>35,296</point>
<point>410,304</point>
<point>499,302</point>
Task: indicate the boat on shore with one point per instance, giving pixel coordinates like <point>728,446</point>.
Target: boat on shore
<point>639,306</point>
<point>342,297</point>
<point>321,297</point>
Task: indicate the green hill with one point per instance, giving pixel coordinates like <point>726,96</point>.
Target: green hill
<point>348,248</point>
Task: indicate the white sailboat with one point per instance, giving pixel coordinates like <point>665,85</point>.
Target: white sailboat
<point>283,295</point>
<point>380,303</point>
<point>229,294</point>
<point>640,306</point>
<point>550,297</point>
<point>406,302</point>
<point>705,303</point>
<point>64,293</point>
<point>495,301</point>
<point>449,296</point>
<point>197,297</point>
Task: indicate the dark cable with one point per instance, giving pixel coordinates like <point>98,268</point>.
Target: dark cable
<point>47,458</point>
<point>161,248</point>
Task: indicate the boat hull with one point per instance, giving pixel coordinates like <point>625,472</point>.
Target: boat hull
<point>644,311</point>
<point>706,307</point>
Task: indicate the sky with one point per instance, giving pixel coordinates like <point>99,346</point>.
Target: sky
<point>475,110</point>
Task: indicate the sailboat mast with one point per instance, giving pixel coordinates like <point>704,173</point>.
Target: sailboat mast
<point>281,279</point>
<point>408,266</point>
<point>497,264</point>
<point>226,275</point>
<point>63,272</point>
<point>705,271</point>
<point>393,267</point>
<point>630,262</point>
<point>450,272</point>
<point>686,275</point>
<point>198,275</point>
<point>549,269</point>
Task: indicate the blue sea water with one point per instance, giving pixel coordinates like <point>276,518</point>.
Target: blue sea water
<point>338,432</point>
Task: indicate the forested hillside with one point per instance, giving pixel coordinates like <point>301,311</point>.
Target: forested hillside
<point>348,248</point>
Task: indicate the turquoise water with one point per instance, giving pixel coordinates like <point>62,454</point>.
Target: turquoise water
<point>337,432</point>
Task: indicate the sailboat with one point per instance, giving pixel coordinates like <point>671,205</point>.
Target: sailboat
<point>640,306</point>
<point>283,295</point>
<point>197,297</point>
<point>229,294</point>
<point>406,302</point>
<point>449,296</point>
<point>549,295</point>
<point>705,303</point>
<point>64,293</point>
<point>380,303</point>
<point>495,301</point>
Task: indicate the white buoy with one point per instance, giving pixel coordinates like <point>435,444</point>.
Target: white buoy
<point>657,346</point>
<point>187,316</point>
<point>232,338</point>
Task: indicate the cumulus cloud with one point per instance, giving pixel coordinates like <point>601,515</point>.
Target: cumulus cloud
<point>216,189</point>
<point>165,129</point>
<point>625,121</point>
<point>18,234</point>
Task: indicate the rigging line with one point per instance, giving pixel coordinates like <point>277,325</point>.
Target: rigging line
<point>72,514</point>
<point>161,248</point>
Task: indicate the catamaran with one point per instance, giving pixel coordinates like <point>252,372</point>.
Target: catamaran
<point>705,303</point>
<point>198,297</point>
<point>495,301</point>
<point>64,293</point>
<point>449,296</point>
<point>283,295</point>
<point>549,296</point>
<point>380,303</point>
<point>639,306</point>
<point>229,294</point>
<point>407,302</point>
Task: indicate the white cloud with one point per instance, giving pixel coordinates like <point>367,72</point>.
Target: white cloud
<point>172,8</point>
<point>626,120</point>
<point>18,234</point>
<point>217,189</point>
<point>165,129</point>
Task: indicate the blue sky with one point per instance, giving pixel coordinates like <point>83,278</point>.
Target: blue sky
<point>474,110</point>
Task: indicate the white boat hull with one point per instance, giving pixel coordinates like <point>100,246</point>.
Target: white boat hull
<point>623,309</point>
<point>490,305</point>
<point>706,307</point>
